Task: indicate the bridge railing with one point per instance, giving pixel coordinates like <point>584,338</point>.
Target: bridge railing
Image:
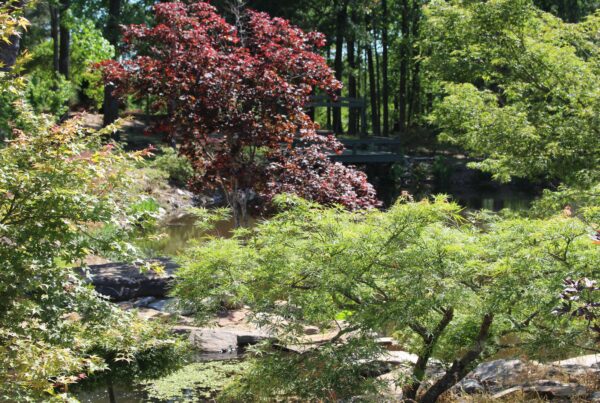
<point>324,101</point>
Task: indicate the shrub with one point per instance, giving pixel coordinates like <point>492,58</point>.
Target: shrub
<point>178,167</point>
<point>49,92</point>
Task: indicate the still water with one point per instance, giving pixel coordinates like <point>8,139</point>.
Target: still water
<point>181,231</point>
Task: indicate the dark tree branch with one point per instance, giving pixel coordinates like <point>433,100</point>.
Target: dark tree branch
<point>460,368</point>
<point>430,340</point>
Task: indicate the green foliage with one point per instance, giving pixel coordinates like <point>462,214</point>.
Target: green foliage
<point>176,166</point>
<point>198,380</point>
<point>11,84</point>
<point>416,270</point>
<point>61,187</point>
<point>584,202</point>
<point>48,91</point>
<point>11,20</point>
<point>520,88</point>
<point>331,373</point>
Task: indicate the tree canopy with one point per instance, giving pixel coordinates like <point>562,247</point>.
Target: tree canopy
<point>234,97</point>
<point>520,88</point>
<point>447,288</point>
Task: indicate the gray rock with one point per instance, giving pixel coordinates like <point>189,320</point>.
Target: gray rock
<point>143,302</point>
<point>160,304</point>
<point>545,389</point>
<point>554,389</point>
<point>595,397</point>
<point>471,387</point>
<point>150,314</point>
<point>589,360</point>
<point>123,282</point>
<point>507,392</point>
<point>215,340</point>
<point>495,374</point>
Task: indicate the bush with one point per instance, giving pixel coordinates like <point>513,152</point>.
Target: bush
<point>178,167</point>
<point>49,92</point>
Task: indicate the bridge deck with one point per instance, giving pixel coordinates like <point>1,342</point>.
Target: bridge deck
<point>370,150</point>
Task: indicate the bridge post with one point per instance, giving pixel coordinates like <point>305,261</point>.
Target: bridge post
<point>363,119</point>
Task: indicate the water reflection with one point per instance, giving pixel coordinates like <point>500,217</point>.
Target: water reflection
<point>178,232</point>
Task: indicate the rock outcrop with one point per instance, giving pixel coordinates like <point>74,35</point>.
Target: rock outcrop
<point>123,282</point>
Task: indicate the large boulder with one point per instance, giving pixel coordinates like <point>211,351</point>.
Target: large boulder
<point>221,340</point>
<point>123,281</point>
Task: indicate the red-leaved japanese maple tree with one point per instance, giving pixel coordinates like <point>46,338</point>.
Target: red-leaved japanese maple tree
<point>234,97</point>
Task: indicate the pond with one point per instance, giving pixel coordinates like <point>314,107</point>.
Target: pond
<point>474,193</point>
<point>196,381</point>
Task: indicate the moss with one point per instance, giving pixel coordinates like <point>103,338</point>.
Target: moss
<point>197,380</point>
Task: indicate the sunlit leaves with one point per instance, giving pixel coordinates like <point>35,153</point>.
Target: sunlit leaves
<point>392,272</point>
<point>520,88</point>
<point>64,195</point>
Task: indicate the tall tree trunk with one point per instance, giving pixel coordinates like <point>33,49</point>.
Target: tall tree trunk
<point>415,87</point>
<point>9,51</point>
<point>352,113</point>
<point>340,29</point>
<point>328,117</point>
<point>361,91</point>
<point>402,98</point>
<point>460,368</point>
<point>372,91</point>
<point>64,60</point>
<point>384,67</point>
<point>377,78</point>
<point>395,125</point>
<point>55,38</point>
<point>110,106</point>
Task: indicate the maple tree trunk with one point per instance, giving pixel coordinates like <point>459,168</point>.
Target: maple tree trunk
<point>110,105</point>
<point>110,390</point>
<point>239,206</point>
<point>64,60</point>
<point>403,68</point>
<point>460,368</point>
<point>430,340</point>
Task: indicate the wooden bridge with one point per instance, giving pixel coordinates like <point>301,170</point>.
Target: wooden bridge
<point>370,150</point>
<point>365,149</point>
